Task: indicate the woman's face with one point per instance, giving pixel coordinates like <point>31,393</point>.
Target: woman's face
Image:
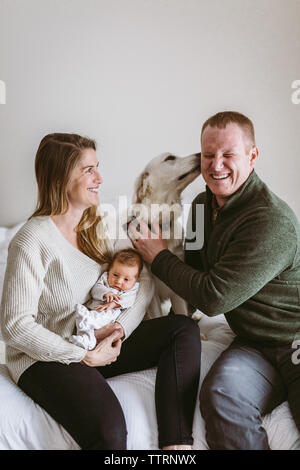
<point>83,186</point>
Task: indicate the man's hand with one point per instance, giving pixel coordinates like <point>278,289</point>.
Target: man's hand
<point>147,243</point>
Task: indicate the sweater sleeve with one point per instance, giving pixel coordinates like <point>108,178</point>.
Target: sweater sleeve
<point>22,288</point>
<point>131,317</point>
<point>257,252</point>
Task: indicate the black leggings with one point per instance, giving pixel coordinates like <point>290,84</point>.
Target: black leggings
<point>80,399</point>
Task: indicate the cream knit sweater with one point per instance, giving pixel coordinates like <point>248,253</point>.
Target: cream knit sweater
<point>45,278</point>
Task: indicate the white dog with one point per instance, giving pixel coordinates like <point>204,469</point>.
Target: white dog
<point>157,199</point>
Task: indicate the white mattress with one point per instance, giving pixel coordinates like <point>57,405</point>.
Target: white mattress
<point>24,425</point>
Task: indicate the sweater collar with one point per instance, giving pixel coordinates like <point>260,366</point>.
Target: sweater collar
<point>240,196</point>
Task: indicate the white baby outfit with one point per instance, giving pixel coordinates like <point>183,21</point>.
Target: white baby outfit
<point>87,319</point>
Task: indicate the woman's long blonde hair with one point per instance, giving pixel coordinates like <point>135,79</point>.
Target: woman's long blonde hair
<point>56,157</point>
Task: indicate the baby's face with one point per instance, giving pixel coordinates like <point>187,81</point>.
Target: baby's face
<point>122,277</point>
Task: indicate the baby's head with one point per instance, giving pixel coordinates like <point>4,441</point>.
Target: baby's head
<point>124,269</point>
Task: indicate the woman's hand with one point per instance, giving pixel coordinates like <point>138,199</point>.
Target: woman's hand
<point>106,352</point>
<point>101,333</point>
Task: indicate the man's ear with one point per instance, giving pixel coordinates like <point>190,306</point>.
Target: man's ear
<point>253,155</point>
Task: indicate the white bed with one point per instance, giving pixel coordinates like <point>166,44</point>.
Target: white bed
<point>24,425</point>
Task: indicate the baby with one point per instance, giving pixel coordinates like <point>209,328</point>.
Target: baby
<point>115,290</point>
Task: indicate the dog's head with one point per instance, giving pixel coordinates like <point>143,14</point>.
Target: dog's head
<point>165,177</point>
<point>157,191</point>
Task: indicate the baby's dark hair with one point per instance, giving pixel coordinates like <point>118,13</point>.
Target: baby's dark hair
<point>129,257</point>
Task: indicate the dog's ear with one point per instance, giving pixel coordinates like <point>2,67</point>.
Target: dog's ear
<point>142,188</point>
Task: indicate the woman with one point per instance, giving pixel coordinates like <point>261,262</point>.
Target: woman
<point>53,262</point>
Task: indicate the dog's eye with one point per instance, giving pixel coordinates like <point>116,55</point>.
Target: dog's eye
<point>170,157</point>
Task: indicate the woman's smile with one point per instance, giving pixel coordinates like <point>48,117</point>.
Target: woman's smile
<point>85,181</point>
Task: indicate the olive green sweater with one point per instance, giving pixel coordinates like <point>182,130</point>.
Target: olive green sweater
<point>248,267</point>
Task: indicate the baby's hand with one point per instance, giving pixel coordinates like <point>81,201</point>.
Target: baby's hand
<point>105,307</point>
<point>110,296</point>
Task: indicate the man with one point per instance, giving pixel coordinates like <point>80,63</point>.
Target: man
<point>248,269</point>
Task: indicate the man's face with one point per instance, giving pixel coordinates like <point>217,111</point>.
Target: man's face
<point>227,159</point>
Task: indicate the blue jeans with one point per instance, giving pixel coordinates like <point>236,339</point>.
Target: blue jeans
<point>246,382</point>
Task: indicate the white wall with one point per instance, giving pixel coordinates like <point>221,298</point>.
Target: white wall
<point>141,76</point>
